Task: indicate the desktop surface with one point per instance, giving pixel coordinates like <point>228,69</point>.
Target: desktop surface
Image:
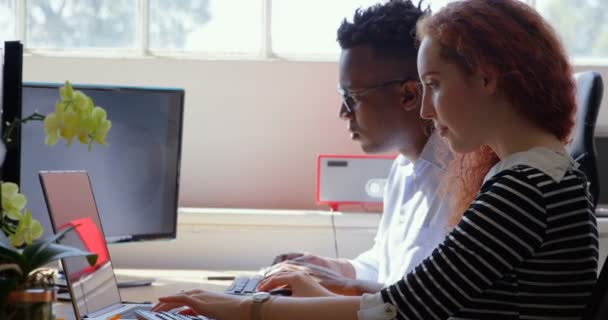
<point>167,282</point>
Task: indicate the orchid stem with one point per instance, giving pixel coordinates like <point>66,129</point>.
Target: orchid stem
<point>6,138</point>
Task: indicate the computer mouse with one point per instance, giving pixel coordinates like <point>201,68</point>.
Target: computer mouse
<point>280,292</point>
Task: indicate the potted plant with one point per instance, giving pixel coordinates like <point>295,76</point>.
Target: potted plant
<point>26,290</point>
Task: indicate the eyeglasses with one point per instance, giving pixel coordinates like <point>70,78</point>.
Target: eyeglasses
<point>350,98</point>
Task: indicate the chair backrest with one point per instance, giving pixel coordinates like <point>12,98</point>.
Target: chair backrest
<point>589,89</point>
<point>597,308</point>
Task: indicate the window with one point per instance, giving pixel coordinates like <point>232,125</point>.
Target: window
<point>581,24</point>
<point>256,28</point>
<point>226,26</point>
<point>74,24</point>
<point>309,27</point>
<point>7,20</point>
<point>437,4</point>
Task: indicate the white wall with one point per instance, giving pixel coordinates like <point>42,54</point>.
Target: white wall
<point>243,239</point>
<point>234,239</point>
<point>252,129</point>
<point>251,135</point>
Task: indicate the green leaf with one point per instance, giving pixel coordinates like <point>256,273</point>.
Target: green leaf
<point>55,252</point>
<point>40,253</point>
<point>40,245</point>
<point>10,255</point>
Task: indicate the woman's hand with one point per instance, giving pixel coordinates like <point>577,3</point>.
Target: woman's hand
<point>300,283</point>
<point>209,304</point>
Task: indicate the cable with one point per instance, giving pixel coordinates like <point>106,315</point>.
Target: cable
<point>333,226</point>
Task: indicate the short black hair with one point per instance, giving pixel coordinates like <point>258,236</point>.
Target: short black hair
<point>388,28</point>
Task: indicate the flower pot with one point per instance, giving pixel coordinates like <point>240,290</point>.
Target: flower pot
<point>34,304</point>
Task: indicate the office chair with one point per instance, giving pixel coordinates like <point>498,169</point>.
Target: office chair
<point>589,89</point>
<point>597,308</point>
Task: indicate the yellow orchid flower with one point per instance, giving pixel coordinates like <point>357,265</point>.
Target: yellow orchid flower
<point>76,116</point>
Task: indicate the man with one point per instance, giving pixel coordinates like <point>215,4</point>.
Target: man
<point>381,104</point>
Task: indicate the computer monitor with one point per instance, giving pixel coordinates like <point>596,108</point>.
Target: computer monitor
<point>135,177</point>
<point>601,145</point>
<point>10,104</point>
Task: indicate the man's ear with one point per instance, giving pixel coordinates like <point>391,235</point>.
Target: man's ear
<point>411,95</point>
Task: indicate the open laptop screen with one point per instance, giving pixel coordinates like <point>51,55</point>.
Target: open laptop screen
<point>70,202</point>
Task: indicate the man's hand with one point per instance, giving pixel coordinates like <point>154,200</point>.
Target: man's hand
<point>340,267</point>
<point>304,257</point>
<point>287,256</point>
<point>300,283</point>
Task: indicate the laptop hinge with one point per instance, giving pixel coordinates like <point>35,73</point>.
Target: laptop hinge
<point>105,310</point>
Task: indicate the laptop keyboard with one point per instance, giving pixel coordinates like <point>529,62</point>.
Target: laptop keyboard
<point>244,285</point>
<point>149,315</point>
<point>131,313</point>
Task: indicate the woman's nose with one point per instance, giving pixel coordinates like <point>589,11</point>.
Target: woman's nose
<point>427,111</point>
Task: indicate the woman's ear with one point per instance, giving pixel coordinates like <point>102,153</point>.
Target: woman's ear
<point>411,95</point>
<point>489,79</point>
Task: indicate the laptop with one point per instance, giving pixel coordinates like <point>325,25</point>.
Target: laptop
<point>94,291</point>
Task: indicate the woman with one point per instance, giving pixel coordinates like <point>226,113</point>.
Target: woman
<point>498,86</point>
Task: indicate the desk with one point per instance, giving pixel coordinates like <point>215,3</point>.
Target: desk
<point>166,282</point>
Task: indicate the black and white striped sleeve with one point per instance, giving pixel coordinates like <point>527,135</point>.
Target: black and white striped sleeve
<point>505,224</point>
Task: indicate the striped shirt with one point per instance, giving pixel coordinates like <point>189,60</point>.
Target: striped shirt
<point>526,248</point>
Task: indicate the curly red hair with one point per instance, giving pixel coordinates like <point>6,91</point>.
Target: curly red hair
<point>534,74</point>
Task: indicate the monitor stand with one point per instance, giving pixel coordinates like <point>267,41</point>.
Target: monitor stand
<point>135,283</point>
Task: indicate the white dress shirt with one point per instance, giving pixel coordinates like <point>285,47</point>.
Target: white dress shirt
<point>414,219</point>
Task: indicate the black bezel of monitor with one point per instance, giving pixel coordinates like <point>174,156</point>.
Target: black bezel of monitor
<point>180,118</point>
<point>11,107</point>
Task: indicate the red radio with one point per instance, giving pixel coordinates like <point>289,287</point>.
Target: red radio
<point>351,179</point>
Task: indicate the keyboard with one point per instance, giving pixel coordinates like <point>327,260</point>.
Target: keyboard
<point>131,313</point>
<point>149,315</point>
<point>244,285</point>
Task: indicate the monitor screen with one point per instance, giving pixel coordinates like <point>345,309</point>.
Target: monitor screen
<point>135,177</point>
